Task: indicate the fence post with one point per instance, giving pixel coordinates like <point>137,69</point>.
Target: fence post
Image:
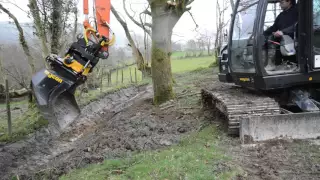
<point>101,80</point>
<point>8,108</point>
<point>108,78</point>
<point>130,76</point>
<point>117,76</point>
<point>135,74</point>
<point>122,76</point>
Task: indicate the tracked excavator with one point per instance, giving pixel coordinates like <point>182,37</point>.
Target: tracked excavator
<point>54,88</point>
<point>259,100</point>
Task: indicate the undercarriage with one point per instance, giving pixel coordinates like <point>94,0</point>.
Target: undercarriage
<point>257,116</point>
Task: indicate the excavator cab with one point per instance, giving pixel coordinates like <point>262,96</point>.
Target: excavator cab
<point>270,84</point>
<point>53,88</point>
<point>250,58</point>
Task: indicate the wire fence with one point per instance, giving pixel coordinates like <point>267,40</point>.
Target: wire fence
<point>105,80</point>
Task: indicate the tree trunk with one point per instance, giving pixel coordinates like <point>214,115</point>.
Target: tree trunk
<point>142,66</point>
<point>75,28</point>
<point>22,40</point>
<point>162,25</point>
<point>2,74</point>
<point>40,29</point>
<point>56,26</point>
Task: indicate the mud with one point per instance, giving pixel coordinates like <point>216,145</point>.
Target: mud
<point>279,160</point>
<point>117,125</point>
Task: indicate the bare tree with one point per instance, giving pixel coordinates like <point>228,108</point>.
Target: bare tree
<point>2,74</point>
<point>51,22</point>
<point>22,39</point>
<point>206,38</point>
<point>221,8</point>
<point>142,66</point>
<point>165,15</point>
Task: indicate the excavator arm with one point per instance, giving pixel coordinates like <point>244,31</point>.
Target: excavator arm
<point>54,87</point>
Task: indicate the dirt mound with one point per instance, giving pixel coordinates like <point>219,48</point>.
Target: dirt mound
<point>117,125</point>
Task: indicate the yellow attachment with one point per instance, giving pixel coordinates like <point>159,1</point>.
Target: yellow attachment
<point>86,32</point>
<point>90,30</point>
<point>76,66</point>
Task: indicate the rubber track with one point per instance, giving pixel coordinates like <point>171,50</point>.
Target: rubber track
<point>234,103</point>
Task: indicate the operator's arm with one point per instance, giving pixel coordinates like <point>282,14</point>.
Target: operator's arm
<point>272,28</point>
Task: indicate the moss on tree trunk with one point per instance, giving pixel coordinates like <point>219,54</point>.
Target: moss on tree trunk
<point>164,18</point>
<point>161,75</point>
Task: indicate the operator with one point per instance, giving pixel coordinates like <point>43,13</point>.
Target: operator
<point>284,24</point>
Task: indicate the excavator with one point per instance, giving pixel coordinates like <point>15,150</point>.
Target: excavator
<point>259,100</point>
<point>53,88</point>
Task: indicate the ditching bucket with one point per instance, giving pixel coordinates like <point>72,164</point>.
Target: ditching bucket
<point>54,95</point>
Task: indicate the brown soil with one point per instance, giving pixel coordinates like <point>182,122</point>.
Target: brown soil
<point>127,123</point>
<point>278,160</point>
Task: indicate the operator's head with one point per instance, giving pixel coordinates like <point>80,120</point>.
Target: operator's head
<point>286,4</point>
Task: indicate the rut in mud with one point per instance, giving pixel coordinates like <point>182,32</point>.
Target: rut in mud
<point>115,126</point>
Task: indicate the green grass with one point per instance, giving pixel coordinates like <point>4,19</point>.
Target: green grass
<point>14,103</point>
<point>181,54</point>
<point>178,66</point>
<point>196,157</point>
<point>190,64</point>
<point>25,124</point>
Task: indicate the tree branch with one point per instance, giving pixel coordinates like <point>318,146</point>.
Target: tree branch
<point>189,2</point>
<point>147,12</point>
<point>139,58</point>
<point>17,7</point>
<point>193,19</point>
<point>133,20</point>
<point>145,24</point>
<point>247,7</point>
<point>22,39</point>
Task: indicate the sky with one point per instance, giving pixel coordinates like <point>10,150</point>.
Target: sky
<point>203,12</point>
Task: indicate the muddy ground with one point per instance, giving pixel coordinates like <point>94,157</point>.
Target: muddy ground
<point>118,125</point>
<point>126,122</point>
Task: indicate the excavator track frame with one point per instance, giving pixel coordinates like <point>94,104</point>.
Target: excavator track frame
<point>235,103</point>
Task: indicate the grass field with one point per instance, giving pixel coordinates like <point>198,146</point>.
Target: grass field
<point>180,54</point>
<point>28,121</point>
<point>178,66</point>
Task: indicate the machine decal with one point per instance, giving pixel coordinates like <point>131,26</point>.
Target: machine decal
<point>244,79</point>
<point>52,76</point>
